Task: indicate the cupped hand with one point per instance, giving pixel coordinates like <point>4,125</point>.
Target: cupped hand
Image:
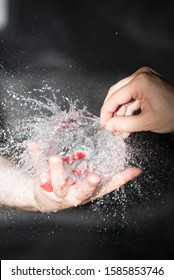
<point>55,191</point>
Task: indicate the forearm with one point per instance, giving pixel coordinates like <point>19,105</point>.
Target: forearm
<point>16,188</point>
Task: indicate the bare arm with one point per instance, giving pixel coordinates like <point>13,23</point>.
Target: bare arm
<point>19,190</point>
<point>16,187</point>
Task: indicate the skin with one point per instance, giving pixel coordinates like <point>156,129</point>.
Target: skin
<point>146,90</point>
<point>19,190</point>
<point>64,195</point>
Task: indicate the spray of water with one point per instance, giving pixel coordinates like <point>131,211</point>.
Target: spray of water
<point>69,128</point>
<point>71,132</point>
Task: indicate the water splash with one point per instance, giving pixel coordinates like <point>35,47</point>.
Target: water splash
<point>69,132</point>
<point>69,127</point>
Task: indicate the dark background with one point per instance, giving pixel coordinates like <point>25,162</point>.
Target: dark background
<point>82,48</point>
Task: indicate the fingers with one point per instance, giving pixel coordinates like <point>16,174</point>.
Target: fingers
<point>65,196</point>
<point>83,191</point>
<point>57,176</point>
<point>118,85</point>
<point>127,80</point>
<point>123,96</point>
<point>134,106</point>
<point>120,179</point>
<point>126,110</point>
<point>88,185</point>
<point>127,124</point>
<point>51,176</point>
<point>126,90</point>
<point>51,173</point>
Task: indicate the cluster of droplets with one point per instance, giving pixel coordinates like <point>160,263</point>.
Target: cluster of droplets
<point>60,131</point>
<point>67,129</point>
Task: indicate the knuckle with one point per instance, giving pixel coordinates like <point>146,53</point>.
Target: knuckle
<point>143,77</point>
<point>145,69</point>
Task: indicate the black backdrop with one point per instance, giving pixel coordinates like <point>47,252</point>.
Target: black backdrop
<point>82,48</point>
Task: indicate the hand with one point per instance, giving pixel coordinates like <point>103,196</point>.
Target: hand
<point>54,191</point>
<point>145,90</point>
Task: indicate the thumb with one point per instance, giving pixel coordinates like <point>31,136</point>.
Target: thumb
<point>126,123</point>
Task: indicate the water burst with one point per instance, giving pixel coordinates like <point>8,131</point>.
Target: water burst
<point>71,132</point>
